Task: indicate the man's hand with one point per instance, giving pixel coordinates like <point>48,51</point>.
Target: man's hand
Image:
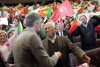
<point>86,59</point>
<point>12,65</point>
<point>58,54</point>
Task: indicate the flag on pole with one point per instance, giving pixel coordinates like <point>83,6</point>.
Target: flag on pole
<point>73,27</point>
<point>85,6</point>
<point>43,13</point>
<point>49,11</point>
<point>4,21</point>
<point>80,10</point>
<point>76,16</point>
<point>20,27</point>
<point>65,9</point>
<point>74,24</point>
<point>61,21</point>
<point>19,5</point>
<point>31,10</point>
<point>55,17</point>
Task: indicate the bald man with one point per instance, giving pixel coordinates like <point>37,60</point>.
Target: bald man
<point>60,29</point>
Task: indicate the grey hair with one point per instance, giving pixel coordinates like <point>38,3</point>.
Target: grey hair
<point>52,23</point>
<point>32,18</point>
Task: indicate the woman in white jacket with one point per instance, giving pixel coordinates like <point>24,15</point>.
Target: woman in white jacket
<point>6,44</point>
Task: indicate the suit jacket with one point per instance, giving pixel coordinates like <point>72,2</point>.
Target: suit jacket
<point>64,33</point>
<point>87,34</point>
<point>65,47</point>
<point>28,51</point>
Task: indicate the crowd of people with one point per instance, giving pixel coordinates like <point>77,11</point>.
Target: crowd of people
<point>45,43</point>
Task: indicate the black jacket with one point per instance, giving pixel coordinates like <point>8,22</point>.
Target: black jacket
<point>88,39</point>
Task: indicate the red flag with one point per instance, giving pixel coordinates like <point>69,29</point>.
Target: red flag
<point>65,9</point>
<point>61,21</point>
<point>80,10</point>
<point>73,26</point>
<point>55,17</point>
<point>26,10</point>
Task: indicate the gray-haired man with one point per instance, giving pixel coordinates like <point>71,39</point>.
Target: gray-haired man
<point>28,50</point>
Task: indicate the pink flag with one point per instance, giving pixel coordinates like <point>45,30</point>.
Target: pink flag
<point>61,21</point>
<point>65,9</point>
<point>55,17</point>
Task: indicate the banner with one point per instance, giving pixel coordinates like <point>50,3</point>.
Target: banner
<point>65,9</point>
<point>4,21</point>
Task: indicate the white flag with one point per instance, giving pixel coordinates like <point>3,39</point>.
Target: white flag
<point>4,21</point>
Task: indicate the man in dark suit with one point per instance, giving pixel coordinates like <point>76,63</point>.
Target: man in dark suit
<point>61,43</point>
<point>28,50</point>
<point>60,29</point>
<point>87,32</point>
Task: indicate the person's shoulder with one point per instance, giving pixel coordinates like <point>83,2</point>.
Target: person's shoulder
<point>57,32</point>
<point>45,39</point>
<point>29,33</point>
<point>79,26</point>
<point>64,31</point>
<point>61,37</point>
<point>25,35</point>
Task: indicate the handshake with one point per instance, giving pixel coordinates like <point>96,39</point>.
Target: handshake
<point>58,54</point>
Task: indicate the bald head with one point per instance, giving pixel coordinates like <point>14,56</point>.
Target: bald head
<point>60,27</point>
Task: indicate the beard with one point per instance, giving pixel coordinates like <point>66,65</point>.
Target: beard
<point>84,22</point>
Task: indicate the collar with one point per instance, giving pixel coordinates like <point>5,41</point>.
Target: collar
<point>30,29</point>
<point>60,33</point>
<point>85,25</point>
<point>52,39</point>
